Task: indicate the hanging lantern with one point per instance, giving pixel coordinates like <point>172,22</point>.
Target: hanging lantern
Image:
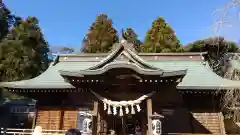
<point>109,110</point>
<point>126,109</point>
<point>132,109</point>
<point>114,110</point>
<point>105,106</point>
<point>138,108</point>
<point>121,111</point>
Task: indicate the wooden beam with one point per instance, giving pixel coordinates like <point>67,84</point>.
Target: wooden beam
<point>95,118</point>
<point>149,114</point>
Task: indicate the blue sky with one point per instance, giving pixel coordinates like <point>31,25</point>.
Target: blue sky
<point>66,22</point>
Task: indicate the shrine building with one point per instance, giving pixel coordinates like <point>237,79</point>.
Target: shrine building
<point>126,91</point>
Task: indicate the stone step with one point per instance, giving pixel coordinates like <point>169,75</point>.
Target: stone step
<point>211,121</point>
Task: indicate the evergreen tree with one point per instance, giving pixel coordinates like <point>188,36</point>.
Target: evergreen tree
<point>213,43</point>
<point>6,20</point>
<point>193,47</point>
<point>101,36</point>
<point>160,38</point>
<point>23,53</point>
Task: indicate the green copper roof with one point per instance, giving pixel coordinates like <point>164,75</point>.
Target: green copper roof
<point>198,76</point>
<point>50,79</point>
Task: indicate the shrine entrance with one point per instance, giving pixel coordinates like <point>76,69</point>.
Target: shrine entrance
<point>128,124</point>
<point>135,123</point>
<point>124,116</point>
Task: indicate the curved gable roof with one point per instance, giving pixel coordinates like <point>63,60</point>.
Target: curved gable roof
<point>198,75</point>
<point>132,61</point>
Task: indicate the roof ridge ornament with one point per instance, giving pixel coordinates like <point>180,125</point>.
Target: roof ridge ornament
<point>127,45</point>
<point>121,42</point>
<point>123,35</point>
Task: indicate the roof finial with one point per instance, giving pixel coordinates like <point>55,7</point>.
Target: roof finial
<point>123,38</point>
<point>123,34</point>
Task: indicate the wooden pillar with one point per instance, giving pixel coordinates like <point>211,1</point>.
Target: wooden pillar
<point>61,124</point>
<point>35,115</point>
<point>149,114</point>
<point>95,118</point>
<point>34,118</point>
<point>123,124</point>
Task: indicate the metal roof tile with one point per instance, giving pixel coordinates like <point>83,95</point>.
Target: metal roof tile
<point>198,76</point>
<point>50,79</point>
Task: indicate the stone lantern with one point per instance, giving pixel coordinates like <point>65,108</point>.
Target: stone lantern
<point>156,124</point>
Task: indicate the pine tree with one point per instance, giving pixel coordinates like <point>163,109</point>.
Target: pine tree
<point>101,36</point>
<point>160,38</point>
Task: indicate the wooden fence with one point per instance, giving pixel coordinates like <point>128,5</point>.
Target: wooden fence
<point>14,131</point>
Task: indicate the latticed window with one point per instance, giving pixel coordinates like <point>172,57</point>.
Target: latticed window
<point>19,109</point>
<point>22,109</point>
